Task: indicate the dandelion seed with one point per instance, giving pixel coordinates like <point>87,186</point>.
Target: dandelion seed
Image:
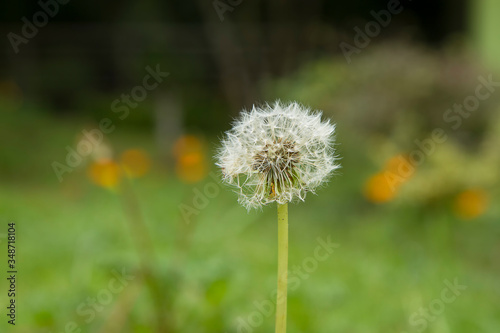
<point>277,154</point>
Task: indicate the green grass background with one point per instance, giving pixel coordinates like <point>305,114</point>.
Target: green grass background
<point>392,259</point>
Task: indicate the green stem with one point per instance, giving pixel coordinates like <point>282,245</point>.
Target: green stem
<point>145,249</point>
<point>281,298</point>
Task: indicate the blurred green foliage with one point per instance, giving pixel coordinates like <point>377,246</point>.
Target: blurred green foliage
<point>211,272</point>
<point>391,107</point>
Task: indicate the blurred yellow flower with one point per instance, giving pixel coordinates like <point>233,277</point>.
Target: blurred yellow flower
<point>136,162</point>
<point>383,186</point>
<point>186,144</point>
<point>400,165</point>
<point>471,203</point>
<point>377,189</point>
<point>191,161</point>
<point>105,173</point>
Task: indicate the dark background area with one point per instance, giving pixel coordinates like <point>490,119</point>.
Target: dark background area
<point>89,50</point>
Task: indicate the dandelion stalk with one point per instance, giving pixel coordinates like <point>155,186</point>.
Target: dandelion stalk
<point>281,298</point>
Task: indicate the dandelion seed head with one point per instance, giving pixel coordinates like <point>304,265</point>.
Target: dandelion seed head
<point>277,153</point>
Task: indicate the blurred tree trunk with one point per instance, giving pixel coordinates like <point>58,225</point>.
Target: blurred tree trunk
<point>228,53</point>
<point>168,123</point>
<point>485,26</point>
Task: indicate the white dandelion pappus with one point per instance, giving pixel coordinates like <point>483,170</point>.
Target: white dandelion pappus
<point>277,153</point>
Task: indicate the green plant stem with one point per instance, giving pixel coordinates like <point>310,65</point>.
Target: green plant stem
<point>140,233</point>
<point>281,298</point>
